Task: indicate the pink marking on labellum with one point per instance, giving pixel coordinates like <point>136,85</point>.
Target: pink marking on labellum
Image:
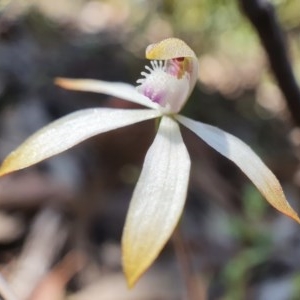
<point>166,83</point>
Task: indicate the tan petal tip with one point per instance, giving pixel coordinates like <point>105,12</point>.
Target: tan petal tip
<point>84,85</point>
<point>131,273</point>
<point>132,276</point>
<point>64,82</point>
<point>130,281</point>
<point>134,267</point>
<point>2,172</point>
<point>294,216</point>
<point>7,167</point>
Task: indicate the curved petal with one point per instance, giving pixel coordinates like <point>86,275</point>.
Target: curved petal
<point>174,48</point>
<point>69,131</point>
<point>157,201</point>
<point>117,89</point>
<point>244,157</point>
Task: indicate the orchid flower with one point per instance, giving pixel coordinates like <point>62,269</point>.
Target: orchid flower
<point>160,193</point>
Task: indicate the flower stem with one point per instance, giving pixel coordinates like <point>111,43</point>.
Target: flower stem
<point>194,290</point>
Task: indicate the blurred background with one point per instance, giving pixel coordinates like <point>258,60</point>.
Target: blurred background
<point>61,221</point>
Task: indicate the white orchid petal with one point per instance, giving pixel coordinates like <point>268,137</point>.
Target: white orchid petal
<point>244,157</point>
<point>157,201</point>
<point>116,89</point>
<point>69,131</point>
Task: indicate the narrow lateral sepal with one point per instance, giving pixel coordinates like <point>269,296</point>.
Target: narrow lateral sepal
<point>69,131</point>
<point>246,159</point>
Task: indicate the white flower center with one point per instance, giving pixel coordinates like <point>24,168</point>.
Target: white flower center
<point>166,83</point>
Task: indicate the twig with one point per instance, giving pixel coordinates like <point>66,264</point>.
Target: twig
<point>47,236</point>
<point>262,16</point>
